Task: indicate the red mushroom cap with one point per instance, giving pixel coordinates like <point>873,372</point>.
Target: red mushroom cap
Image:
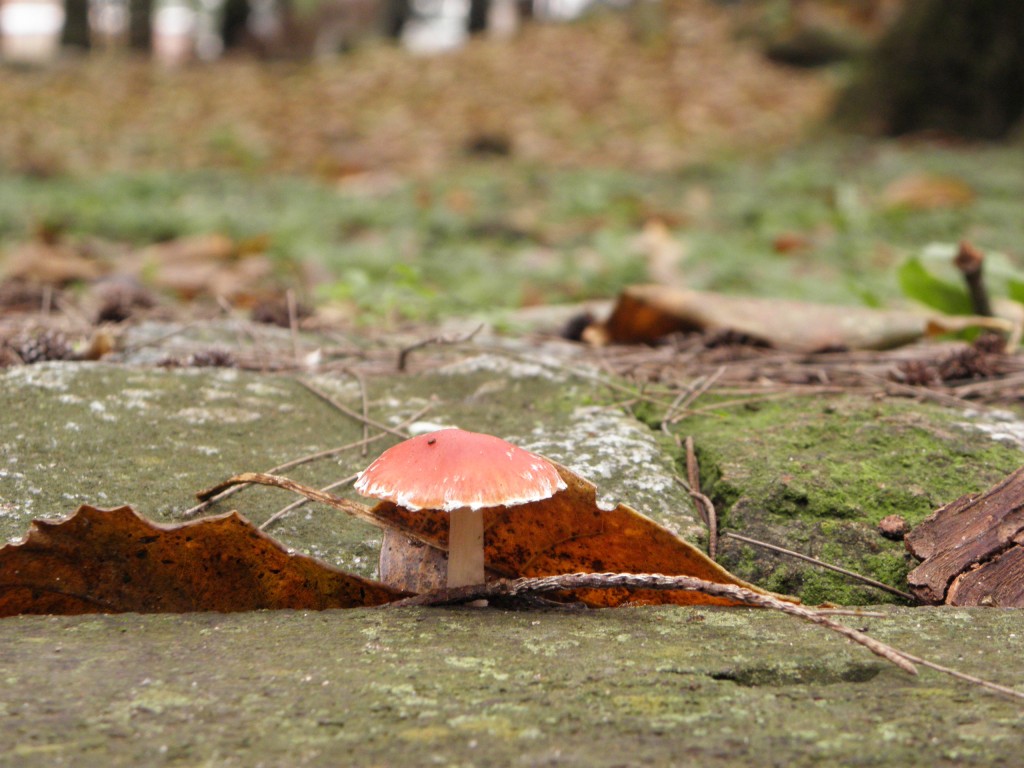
<point>452,468</point>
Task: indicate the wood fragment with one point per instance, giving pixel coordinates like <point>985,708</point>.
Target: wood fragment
<point>972,543</point>
<point>970,261</point>
<point>999,583</point>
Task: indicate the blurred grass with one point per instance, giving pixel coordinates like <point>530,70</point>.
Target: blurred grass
<point>501,234</point>
<point>360,170</point>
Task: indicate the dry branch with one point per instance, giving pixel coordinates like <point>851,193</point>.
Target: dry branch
<point>822,564</point>
<point>403,355</point>
<point>211,496</point>
<point>516,587</point>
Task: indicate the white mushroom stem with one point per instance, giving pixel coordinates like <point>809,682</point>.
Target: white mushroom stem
<point>465,547</point>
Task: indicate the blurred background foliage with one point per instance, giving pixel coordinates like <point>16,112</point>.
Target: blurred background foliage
<point>690,142</point>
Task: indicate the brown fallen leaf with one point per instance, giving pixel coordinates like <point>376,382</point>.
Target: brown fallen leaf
<point>199,249</point>
<point>205,265</point>
<point>53,264</point>
<point>792,242</point>
<point>646,313</point>
<point>563,534</point>
<point>927,191</point>
<point>116,561</point>
<point>973,549</point>
<point>663,253</point>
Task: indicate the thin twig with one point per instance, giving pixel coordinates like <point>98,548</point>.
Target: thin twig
<point>354,508</point>
<point>364,400</point>
<point>1007,691</point>
<point>859,577</point>
<point>349,412</point>
<point>608,380</point>
<point>925,393</point>
<point>245,331</point>
<point>710,516</point>
<point>293,326</point>
<point>692,468</point>
<point>403,355</point>
<point>210,497</point>
<point>705,507</point>
<point>505,587</point>
<point>72,312</point>
<point>692,397</point>
<point>665,420</point>
<point>304,500</point>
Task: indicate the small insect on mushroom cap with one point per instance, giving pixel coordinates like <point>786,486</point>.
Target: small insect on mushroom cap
<point>453,468</point>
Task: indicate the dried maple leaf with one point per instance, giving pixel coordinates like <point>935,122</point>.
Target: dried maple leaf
<point>566,533</point>
<point>646,313</point>
<point>115,561</point>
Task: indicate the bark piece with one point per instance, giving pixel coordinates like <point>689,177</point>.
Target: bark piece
<point>893,527</point>
<point>971,549</point>
<point>999,583</point>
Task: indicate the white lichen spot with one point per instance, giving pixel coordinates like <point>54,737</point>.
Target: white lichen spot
<point>1002,426</point>
<point>623,459</point>
<point>217,415</point>
<point>228,375</point>
<point>552,648</point>
<point>54,376</point>
<point>214,394</point>
<point>135,398</point>
<point>263,389</point>
<point>507,366</point>
<point>484,667</point>
<point>100,411</point>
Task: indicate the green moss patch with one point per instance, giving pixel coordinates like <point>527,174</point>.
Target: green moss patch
<point>818,476</point>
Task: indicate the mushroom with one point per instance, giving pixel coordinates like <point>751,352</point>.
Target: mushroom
<point>461,473</point>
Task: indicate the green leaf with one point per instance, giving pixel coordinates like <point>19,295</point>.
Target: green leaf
<point>1015,289</point>
<point>919,284</point>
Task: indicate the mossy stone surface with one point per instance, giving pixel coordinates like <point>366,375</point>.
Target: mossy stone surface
<point>151,438</point>
<point>491,687</point>
<point>471,687</point>
<point>816,476</point>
